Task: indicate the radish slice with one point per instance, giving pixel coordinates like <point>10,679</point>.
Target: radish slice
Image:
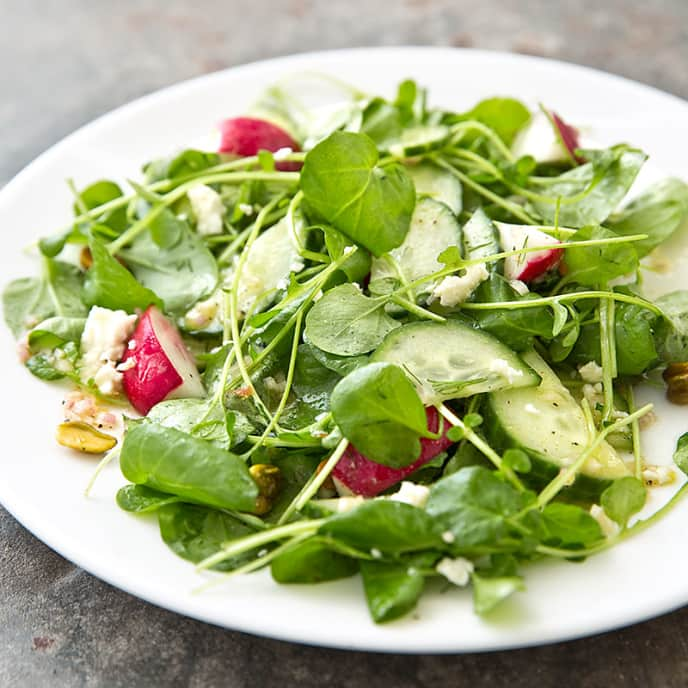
<point>246,136</point>
<point>355,474</point>
<point>157,364</point>
<point>527,267</point>
<point>568,134</point>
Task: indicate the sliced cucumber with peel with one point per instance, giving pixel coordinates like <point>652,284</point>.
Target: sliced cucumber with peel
<point>453,360</point>
<point>480,237</point>
<point>433,229</point>
<point>431,180</point>
<point>549,425</point>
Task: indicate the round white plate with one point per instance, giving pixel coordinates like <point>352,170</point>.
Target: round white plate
<point>42,484</point>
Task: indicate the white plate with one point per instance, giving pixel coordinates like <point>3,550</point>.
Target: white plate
<point>42,485</point>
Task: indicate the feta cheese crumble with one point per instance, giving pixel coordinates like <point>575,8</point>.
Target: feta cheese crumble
<point>410,493</point>
<point>502,367</point>
<point>102,345</point>
<point>208,208</point>
<point>658,475</point>
<point>607,526</point>
<point>453,290</point>
<point>591,372</point>
<point>457,571</point>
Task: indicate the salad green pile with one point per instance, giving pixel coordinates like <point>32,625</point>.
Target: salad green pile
<point>378,310</point>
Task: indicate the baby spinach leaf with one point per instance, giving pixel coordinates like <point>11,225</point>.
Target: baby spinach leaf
<point>592,265</point>
<point>474,504</point>
<point>313,382</point>
<point>196,532</point>
<point>343,184</point>
<point>567,524</point>
<point>672,331</point>
<point>488,592</point>
<point>378,410</point>
<point>623,498</point>
<point>517,328</point>
<point>180,273</point>
<point>98,194</point>
<point>597,186</point>
<point>55,331</point>
<point>109,284</point>
<point>142,500</point>
<point>171,461</point>
<point>658,212</point>
<point>312,561</point>
<point>30,300</point>
<point>681,453</point>
<point>505,116</point>
<point>393,590</point>
<point>385,525</point>
<point>347,323</point>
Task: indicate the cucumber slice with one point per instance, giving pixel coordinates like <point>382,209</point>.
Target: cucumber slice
<point>452,360</point>
<point>431,180</point>
<point>419,140</point>
<point>547,423</point>
<point>480,237</point>
<point>433,228</point>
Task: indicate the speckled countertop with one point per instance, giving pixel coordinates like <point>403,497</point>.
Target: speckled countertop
<point>64,62</point>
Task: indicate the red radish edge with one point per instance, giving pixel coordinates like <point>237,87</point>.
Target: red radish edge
<point>246,136</point>
<point>361,476</point>
<point>162,366</point>
<point>569,136</point>
<point>527,267</point>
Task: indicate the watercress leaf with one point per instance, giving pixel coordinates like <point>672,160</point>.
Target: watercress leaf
<point>623,498</point>
<point>672,331</point>
<point>658,212</point>
<point>109,284</point>
<point>473,504</point>
<point>30,300</point>
<point>385,525</point>
<point>634,329</point>
<point>517,460</point>
<point>98,194</point>
<point>592,265</point>
<point>347,323</point>
<point>681,453</point>
<point>590,192</point>
<point>378,410</point>
<point>357,266</point>
<point>568,524</point>
<point>171,461</point>
<point>312,561</point>
<point>343,184</point>
<point>561,315</point>
<point>488,592</point>
<point>196,532</point>
<point>517,328</point>
<point>180,274</point>
<point>342,365</point>
<point>55,331</point>
<point>381,122</point>
<point>505,116</point>
<point>186,162</point>
<point>142,500</point>
<point>392,589</point>
<point>166,229</point>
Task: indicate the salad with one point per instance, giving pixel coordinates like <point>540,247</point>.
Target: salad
<point>369,337</point>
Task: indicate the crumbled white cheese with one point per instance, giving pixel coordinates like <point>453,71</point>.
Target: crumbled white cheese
<point>410,493</point>
<point>457,571</point>
<point>246,209</point>
<point>208,208</point>
<point>375,553</point>
<point>658,475</point>
<point>102,346</point>
<point>521,288</point>
<point>591,372</point>
<point>453,290</point>
<point>275,385</point>
<point>204,312</point>
<point>127,365</point>
<point>348,250</point>
<point>448,537</point>
<point>607,526</point>
<point>502,367</point>
<point>318,295</point>
<point>593,394</point>
<point>282,154</point>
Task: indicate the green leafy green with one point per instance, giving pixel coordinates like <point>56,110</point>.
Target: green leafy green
<point>55,331</point>
<point>344,322</point>
<point>488,592</point>
<point>672,331</point>
<point>624,498</point>
<point>312,561</point>
<point>171,461</point>
<point>681,453</point>
<point>109,284</point>
<point>568,524</point>
<point>378,409</point>
<point>505,116</point>
<point>186,162</point>
<point>343,184</point>
<point>142,500</point>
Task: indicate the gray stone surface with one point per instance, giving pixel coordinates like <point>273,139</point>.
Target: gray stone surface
<point>64,62</point>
